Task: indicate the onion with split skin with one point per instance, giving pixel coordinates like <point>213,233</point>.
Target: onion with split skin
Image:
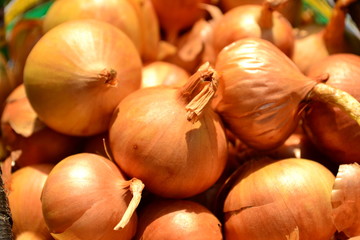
<point>26,186</point>
<point>282,199</point>
<point>264,92</point>
<point>171,138</point>
<point>78,72</point>
<point>87,197</point>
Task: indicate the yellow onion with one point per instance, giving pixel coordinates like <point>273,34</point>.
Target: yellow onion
<point>279,199</point>
<point>254,20</point>
<point>24,198</point>
<point>22,130</point>
<point>119,13</point>
<point>170,138</point>
<point>166,219</point>
<point>163,73</point>
<point>87,197</point>
<point>78,72</point>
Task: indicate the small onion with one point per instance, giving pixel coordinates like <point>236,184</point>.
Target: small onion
<point>78,72</point>
<point>163,73</point>
<point>26,186</point>
<point>171,138</point>
<point>85,196</point>
<point>167,219</point>
<point>283,199</point>
<point>22,130</point>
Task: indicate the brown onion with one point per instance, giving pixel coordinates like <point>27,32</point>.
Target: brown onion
<point>171,138</point>
<point>326,41</point>
<point>283,199</point>
<point>254,20</point>
<point>177,219</point>
<point>330,129</point>
<point>78,72</point>
<point>24,198</point>
<point>22,130</point>
<point>163,73</point>
<point>86,195</point>
<point>263,93</point>
<point>7,83</point>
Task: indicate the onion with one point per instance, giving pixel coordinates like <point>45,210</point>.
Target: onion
<point>291,9</point>
<point>330,129</point>
<point>171,138</point>
<point>262,21</point>
<point>5,213</point>
<point>177,15</point>
<point>345,200</point>
<point>22,130</point>
<point>283,199</point>
<point>177,219</point>
<point>85,196</point>
<point>97,144</point>
<point>326,41</point>
<point>119,13</point>
<point>163,73</point>
<point>78,72</point>
<point>26,186</point>
<point>263,93</point>
<point>7,84</point>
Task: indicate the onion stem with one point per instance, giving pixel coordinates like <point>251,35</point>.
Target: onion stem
<point>266,15</point>
<point>337,97</point>
<point>136,187</point>
<point>108,77</point>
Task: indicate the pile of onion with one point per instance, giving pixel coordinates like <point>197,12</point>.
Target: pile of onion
<point>87,197</point>
<point>171,138</point>
<point>78,72</point>
<point>263,93</point>
<point>282,199</point>
<point>253,20</point>
<point>22,130</point>
<point>331,130</point>
<point>177,219</point>
<point>24,198</point>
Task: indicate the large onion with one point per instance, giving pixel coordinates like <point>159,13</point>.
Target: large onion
<point>85,196</point>
<point>26,186</point>
<point>264,92</point>
<point>166,219</point>
<point>284,199</point>
<point>78,72</point>
<point>170,138</point>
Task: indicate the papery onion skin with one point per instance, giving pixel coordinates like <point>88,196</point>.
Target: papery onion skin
<point>119,13</point>
<point>262,92</point>
<point>77,74</point>
<point>283,199</point>
<point>84,198</point>
<point>243,21</point>
<point>24,199</point>
<point>177,219</point>
<point>330,129</point>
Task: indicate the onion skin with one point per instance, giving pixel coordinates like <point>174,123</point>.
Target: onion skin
<point>152,139</point>
<point>84,197</point>
<point>245,21</point>
<point>177,219</point>
<point>24,199</point>
<point>333,132</point>
<point>261,94</point>
<point>264,202</point>
<point>78,72</point>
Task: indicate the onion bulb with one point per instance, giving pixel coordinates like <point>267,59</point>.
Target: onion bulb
<point>330,129</point>
<point>24,198</point>
<point>254,20</point>
<point>263,93</point>
<point>87,197</point>
<point>283,199</point>
<point>22,130</point>
<point>78,72</point>
<point>170,138</point>
<point>163,73</point>
<point>177,219</point>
